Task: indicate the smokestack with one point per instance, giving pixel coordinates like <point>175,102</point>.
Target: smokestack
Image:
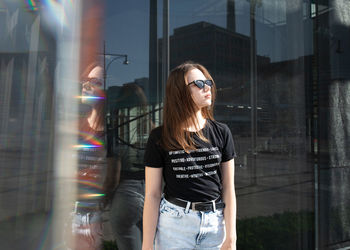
<point>231,21</point>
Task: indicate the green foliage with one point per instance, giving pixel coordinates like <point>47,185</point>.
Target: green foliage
<point>289,230</point>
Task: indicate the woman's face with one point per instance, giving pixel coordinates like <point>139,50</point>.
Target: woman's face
<point>91,87</point>
<point>201,97</point>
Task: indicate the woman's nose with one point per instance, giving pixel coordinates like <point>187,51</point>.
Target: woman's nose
<point>206,87</point>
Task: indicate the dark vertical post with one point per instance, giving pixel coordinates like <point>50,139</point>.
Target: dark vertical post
<point>230,18</point>
<point>153,53</point>
<point>253,90</point>
<point>315,116</point>
<point>165,46</point>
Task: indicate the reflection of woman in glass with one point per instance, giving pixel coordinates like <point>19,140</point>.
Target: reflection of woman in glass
<point>93,96</point>
<point>125,183</point>
<point>86,224</point>
<point>195,155</point>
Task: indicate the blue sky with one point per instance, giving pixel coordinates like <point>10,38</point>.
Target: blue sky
<point>127,29</point>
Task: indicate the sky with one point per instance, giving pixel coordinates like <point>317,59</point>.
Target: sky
<point>126,29</point>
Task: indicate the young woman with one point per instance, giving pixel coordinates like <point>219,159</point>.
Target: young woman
<point>86,226</point>
<point>195,155</point>
<point>125,180</point>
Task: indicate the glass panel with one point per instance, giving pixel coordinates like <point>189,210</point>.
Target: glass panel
<point>37,71</point>
<point>133,108</point>
<point>82,87</point>
<point>259,54</point>
<point>332,119</point>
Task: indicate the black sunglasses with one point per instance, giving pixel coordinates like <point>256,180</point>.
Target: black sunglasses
<point>200,83</point>
<point>88,83</point>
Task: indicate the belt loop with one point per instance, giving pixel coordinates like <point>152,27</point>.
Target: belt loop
<point>187,207</point>
<point>214,205</point>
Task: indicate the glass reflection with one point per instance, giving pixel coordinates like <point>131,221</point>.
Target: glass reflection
<point>332,120</point>
<point>258,52</point>
<point>86,219</point>
<point>281,69</point>
<point>84,224</point>
<point>125,185</point>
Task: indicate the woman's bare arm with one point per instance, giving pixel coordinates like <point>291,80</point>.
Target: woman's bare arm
<point>229,197</point>
<point>153,193</point>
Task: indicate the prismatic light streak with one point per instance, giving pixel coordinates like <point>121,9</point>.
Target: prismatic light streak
<point>91,141</point>
<point>87,146</point>
<point>86,196</point>
<point>90,97</point>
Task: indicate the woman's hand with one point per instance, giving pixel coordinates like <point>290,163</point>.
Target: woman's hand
<point>147,248</point>
<point>228,245</point>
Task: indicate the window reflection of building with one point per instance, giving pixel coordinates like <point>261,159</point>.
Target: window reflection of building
<point>27,69</point>
<point>130,123</point>
<point>226,55</point>
<point>301,45</point>
<point>280,104</point>
<point>331,118</point>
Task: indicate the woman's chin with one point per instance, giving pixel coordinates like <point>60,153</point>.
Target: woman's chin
<point>206,104</point>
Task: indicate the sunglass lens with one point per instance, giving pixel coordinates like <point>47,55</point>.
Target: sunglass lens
<point>199,83</point>
<point>209,83</point>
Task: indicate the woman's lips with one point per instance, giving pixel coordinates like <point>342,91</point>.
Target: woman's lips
<point>207,96</point>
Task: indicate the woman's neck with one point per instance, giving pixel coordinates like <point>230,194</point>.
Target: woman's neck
<point>93,120</point>
<point>200,122</point>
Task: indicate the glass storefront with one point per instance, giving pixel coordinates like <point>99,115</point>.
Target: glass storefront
<point>82,86</point>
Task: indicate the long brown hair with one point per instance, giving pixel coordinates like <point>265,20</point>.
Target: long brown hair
<point>99,105</point>
<point>179,109</point>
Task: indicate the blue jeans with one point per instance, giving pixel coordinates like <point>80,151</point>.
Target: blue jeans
<point>181,229</point>
<point>126,214</point>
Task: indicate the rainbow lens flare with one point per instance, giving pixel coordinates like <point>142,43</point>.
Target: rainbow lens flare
<point>86,196</point>
<point>91,184</point>
<point>92,141</point>
<point>31,5</point>
<point>90,97</point>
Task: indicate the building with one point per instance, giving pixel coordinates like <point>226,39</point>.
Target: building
<point>281,69</point>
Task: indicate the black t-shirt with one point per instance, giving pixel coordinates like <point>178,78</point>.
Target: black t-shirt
<point>92,165</point>
<point>131,162</point>
<point>193,176</point>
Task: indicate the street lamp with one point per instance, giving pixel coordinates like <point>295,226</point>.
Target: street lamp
<point>105,68</point>
<point>109,136</point>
